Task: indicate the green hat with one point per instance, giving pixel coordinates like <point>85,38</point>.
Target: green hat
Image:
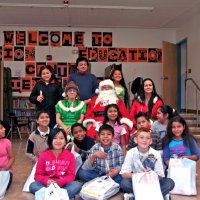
<point>71,85</point>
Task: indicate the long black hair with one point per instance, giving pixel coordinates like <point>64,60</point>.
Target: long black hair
<point>2,123</point>
<point>187,137</point>
<point>106,113</point>
<point>153,95</point>
<point>123,84</point>
<point>166,109</point>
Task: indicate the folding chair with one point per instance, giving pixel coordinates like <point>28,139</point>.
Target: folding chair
<point>16,125</point>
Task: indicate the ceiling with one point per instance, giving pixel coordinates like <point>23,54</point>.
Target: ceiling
<point>166,13</point>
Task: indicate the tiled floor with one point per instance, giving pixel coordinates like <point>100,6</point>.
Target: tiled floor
<point>23,165</point>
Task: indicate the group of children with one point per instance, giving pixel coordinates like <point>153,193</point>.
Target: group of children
<point>109,155</point>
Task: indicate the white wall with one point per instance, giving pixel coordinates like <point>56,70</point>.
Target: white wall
<point>130,38</point>
<point>191,31</point>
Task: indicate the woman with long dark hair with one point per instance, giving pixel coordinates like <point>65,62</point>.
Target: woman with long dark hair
<point>147,101</point>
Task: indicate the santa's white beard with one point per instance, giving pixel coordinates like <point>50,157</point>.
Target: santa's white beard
<point>107,97</point>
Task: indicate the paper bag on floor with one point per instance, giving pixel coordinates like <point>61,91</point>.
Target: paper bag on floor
<point>183,173</point>
<point>146,186</point>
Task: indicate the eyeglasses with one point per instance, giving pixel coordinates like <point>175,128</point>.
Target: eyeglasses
<point>72,90</point>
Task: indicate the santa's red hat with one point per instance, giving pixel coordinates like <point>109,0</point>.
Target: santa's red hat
<point>106,82</point>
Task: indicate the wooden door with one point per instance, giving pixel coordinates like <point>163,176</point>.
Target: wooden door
<point>170,74</point>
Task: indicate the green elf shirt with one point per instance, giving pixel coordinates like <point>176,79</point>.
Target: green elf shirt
<point>70,112</point>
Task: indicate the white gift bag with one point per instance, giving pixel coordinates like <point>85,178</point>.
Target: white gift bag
<point>77,156</point>
<point>53,192</point>
<point>29,180</point>
<point>4,180</point>
<point>99,188</point>
<point>183,173</point>
<point>146,186</point>
<point>40,194</point>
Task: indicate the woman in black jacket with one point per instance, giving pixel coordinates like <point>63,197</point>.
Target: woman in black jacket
<point>46,93</point>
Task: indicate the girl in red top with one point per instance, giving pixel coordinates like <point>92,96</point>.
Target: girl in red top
<point>56,165</point>
<point>147,101</point>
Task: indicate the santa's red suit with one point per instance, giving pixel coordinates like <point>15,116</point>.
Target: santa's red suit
<point>95,111</point>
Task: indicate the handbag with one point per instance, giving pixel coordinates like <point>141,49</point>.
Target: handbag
<point>100,188</point>
<point>53,192</point>
<point>146,186</point>
<point>183,173</point>
<point>4,180</point>
<point>29,180</point>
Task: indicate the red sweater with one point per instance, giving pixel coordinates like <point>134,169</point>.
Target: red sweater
<point>141,107</point>
<point>61,168</point>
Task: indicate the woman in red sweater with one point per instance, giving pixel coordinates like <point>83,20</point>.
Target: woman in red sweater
<point>147,101</point>
<point>56,165</point>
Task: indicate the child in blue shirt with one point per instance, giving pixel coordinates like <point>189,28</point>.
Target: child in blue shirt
<point>179,142</point>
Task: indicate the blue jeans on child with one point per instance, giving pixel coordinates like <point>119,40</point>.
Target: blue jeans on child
<point>87,175</point>
<point>72,188</point>
<point>166,185</point>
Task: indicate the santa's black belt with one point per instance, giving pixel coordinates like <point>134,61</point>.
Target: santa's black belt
<point>99,114</point>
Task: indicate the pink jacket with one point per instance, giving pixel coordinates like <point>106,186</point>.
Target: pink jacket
<point>61,168</point>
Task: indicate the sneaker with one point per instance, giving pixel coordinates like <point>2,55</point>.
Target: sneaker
<point>129,196</point>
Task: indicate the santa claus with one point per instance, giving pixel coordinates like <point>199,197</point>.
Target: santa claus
<point>106,95</point>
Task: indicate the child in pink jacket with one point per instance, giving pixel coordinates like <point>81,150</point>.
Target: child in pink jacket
<point>56,165</point>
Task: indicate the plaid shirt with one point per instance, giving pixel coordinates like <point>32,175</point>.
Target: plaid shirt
<point>115,159</point>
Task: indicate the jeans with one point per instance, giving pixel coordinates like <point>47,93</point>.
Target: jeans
<point>166,185</point>
<point>87,175</point>
<point>72,188</point>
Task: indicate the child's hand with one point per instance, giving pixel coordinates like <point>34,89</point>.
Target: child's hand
<point>4,169</point>
<point>40,98</point>
<point>89,125</point>
<point>67,130</point>
<point>69,146</point>
<point>100,154</point>
<point>49,182</point>
<point>148,170</point>
<point>87,101</point>
<point>113,172</point>
<point>184,156</point>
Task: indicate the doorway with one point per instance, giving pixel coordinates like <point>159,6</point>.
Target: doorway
<point>170,74</point>
<point>182,74</point>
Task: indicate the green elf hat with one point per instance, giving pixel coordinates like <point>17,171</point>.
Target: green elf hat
<point>71,85</point>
